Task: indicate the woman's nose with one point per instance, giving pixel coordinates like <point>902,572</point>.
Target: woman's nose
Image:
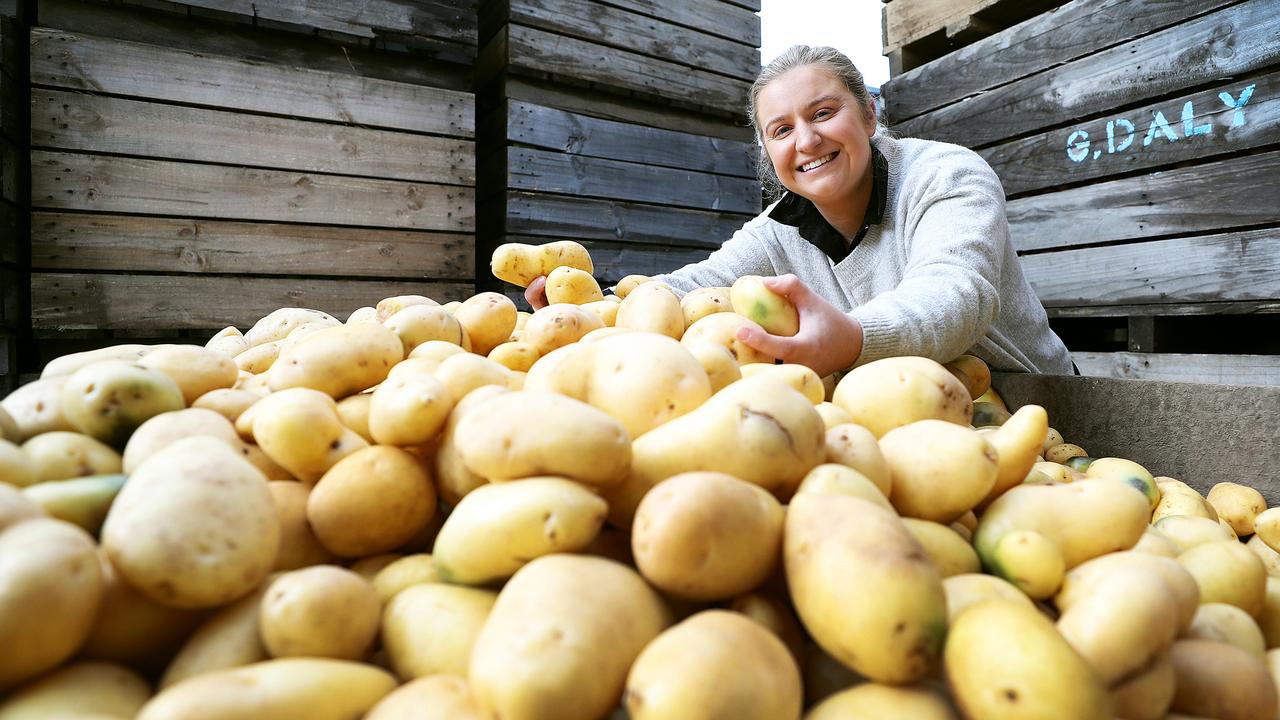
<point>807,138</point>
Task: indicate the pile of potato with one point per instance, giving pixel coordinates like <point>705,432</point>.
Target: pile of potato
<point>608,508</point>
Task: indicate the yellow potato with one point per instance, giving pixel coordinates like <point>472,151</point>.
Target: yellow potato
<point>773,312</point>
<point>1064,452</point>
<point>320,611</point>
<point>855,446</point>
<point>353,411</point>
<point>949,552</point>
<point>229,341</point>
<point>228,639</point>
<point>1238,505</point>
<point>409,409</point>
<point>279,323</point>
<point>432,353</point>
<point>1267,527</point>
<point>1270,558</point>
<point>773,612</point>
<point>515,355</point>
<point>404,573</point>
<point>372,501</point>
<point>570,285</point>
<point>702,302</point>
<point>1156,542</point>
<point>162,431</point>
<point>800,377</point>
<point>519,264</point>
<point>652,307</point>
<point>885,394</point>
<point>555,326</point>
<point>973,372</point>
<point>195,369</point>
<point>227,402</point>
<point>16,467</point>
<point>286,689</point>
<point>722,329</point>
<point>338,361</point>
<point>388,307</point>
<point>721,367</point>
<point>9,428</point>
<point>453,477</point>
<point>1017,444</point>
<point>1229,624</point>
<point>259,358</point>
<point>707,536</point>
<point>463,373</point>
<point>498,528</point>
<point>845,553</point>
<point>439,697</point>
<point>61,455</point>
<point>1051,438</point>
<point>833,415</point>
<point>520,667</point>
<point>715,664</point>
<point>194,527</point>
<point>488,319</point>
<point>1188,531</point>
<point>77,689</point>
<point>629,283</point>
<point>836,479</point>
<point>940,470</point>
<point>1147,695</point>
<point>430,629</point>
<point>606,309</point>
<point>68,364</point>
<point>298,544</point>
<point>1228,572</point>
<point>108,400</point>
<point>564,253</point>
<point>300,430</point>
<point>36,408</point>
<point>968,589</point>
<point>1128,472</point>
<point>82,501</point>
<point>417,324</point>
<point>884,702</point>
<point>1221,681</point>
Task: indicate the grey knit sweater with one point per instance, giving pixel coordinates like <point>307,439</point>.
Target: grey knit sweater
<point>938,277</point>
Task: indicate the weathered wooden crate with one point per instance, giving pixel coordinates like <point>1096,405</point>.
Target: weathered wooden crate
<point>1138,145</point>
<point>13,195</point>
<point>617,125</point>
<point>188,174</point>
<point>918,31</point>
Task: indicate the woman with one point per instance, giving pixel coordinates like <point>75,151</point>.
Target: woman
<point>886,246</point>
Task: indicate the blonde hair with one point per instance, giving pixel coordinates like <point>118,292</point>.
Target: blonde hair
<point>827,58</point>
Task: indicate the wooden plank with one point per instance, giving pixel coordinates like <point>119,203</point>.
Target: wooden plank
<point>711,16</point>
<point>1263,370</point>
<point>908,22</point>
<point>1084,152</point>
<point>62,242</point>
<point>12,242</point>
<point>80,121</point>
<point>1254,307</point>
<point>543,171</point>
<point>752,5</point>
<point>67,301</point>
<point>1232,42</point>
<point>538,51</point>
<point>614,261</point>
<point>85,62</point>
<point>1236,192</point>
<point>12,282</point>
<point>1236,266</point>
<point>583,218</point>
<point>11,39</point>
<point>12,97</point>
<point>13,172</point>
<point>1072,31</point>
<point>451,20</point>
<point>550,129</point>
<point>97,183</point>
<point>598,23</point>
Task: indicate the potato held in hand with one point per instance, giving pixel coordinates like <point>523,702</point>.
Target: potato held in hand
<point>519,264</point>
<point>773,312</point>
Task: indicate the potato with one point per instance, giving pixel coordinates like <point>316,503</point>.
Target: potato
<point>417,324</point>
<point>949,552</point>
<point>855,446</point>
<point>1128,472</point>
<point>564,253</point>
<point>229,638</point>
<point>497,529</point>
<point>319,611</point>
<point>463,373</point>
<point>195,369</point>
<point>82,501</point>
<point>1267,527</point>
<point>194,527</point>
<point>76,689</point>
<point>229,341</point>
<point>701,302</point>
<point>161,431</point>
<point>338,361</point>
<point>652,307</point>
<point>973,372</point>
<point>571,285</point>
<point>884,702</point>
<point>9,428</point>
<point>227,402</point>
<point>515,355</point>
<point>1006,660</point>
<point>721,367</point>
<point>1238,504</point>
<point>61,455</point>
<point>967,589</point>
<point>50,589</point>
<point>528,433</point>
<point>1229,624</point>
<point>1157,543</point>
<point>1188,531</point>
<point>714,664</point>
<point>353,412</point>
<point>259,358</point>
<point>409,409</point>
<point>836,479</point>
<point>940,470</point>
<point>800,377</point>
<point>403,574</point>
<point>36,408</point>
<point>429,355</point>
<point>1064,452</point>
<point>833,415</point>
<point>279,323</point>
<point>1221,681</point>
<point>488,319</point>
<point>16,467</point>
<point>453,478</point>
<point>519,264</point>
<point>109,400</point>
<point>68,364</point>
<point>286,689</point>
<point>773,612</point>
<point>430,629</point>
<point>555,326</point>
<point>707,536</point>
<point>722,329</point>
<point>387,307</point>
<point>439,697</point>
<point>889,393</point>
<point>1228,572</point>
<point>371,502</point>
<point>841,548</point>
<point>300,430</point>
<point>553,646</point>
<point>1147,695</point>
<point>298,544</point>
<point>773,312</point>
<point>627,284</point>
<point>1017,445</point>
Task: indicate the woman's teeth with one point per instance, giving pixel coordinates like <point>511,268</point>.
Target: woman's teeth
<point>817,163</point>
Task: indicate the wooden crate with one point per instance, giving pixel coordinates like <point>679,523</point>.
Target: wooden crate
<point>617,125</point>
<point>919,31</point>
<point>14,169</point>
<point>1141,198</point>
<point>190,174</point>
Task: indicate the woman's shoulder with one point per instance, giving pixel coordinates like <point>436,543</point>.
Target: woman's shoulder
<point>926,162</point>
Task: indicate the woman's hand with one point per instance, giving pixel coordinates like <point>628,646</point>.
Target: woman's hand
<point>536,293</point>
<point>828,340</point>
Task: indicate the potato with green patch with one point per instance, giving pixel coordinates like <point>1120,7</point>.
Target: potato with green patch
<point>62,455</point>
<point>109,400</point>
<point>773,312</point>
<point>1128,472</point>
<point>83,501</point>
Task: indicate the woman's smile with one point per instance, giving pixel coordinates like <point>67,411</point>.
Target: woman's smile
<point>820,162</point>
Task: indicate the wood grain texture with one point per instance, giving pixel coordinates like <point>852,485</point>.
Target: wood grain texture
<point>1041,161</point>
<point>712,16</point>
<point>1237,266</point>
<point>557,215</point>
<point>63,242</point>
<point>68,301</point>
<point>448,19</point>
<point>1249,307</point>
<point>1262,370</point>
<point>99,183</point>
<point>1200,198</point>
<point>1234,41</point>
<point>12,240</point>
<point>906,22</point>
<point>85,62</point>
<point>550,129</point>
<point>543,171</point>
<point>94,123</point>
<point>1072,31</point>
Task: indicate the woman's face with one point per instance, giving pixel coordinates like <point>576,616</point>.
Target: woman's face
<point>816,134</point>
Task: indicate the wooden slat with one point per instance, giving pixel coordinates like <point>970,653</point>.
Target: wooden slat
<point>712,16</point>
<point>62,242</point>
<point>551,129</point>
<point>12,94</point>
<point>908,22</point>
<point>11,239</point>
<point>448,19</point>
<point>752,5</point>
<point>1072,31</point>
<point>13,172</point>
<point>583,218</point>
<point>539,51</point>
<point>85,62</point>
<point>1217,369</point>
<point>64,181</point>
<point>1043,161</point>
<point>1217,195</point>
<point>65,301</point>
<point>10,41</point>
<point>543,171</point>
<point>599,23</point>
<point>1235,41</point>
<point>1255,307</point>
<point>94,123</point>
<point>11,284</point>
<point>614,261</point>
<point>1238,266</point>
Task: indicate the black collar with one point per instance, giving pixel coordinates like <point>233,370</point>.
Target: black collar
<point>800,213</point>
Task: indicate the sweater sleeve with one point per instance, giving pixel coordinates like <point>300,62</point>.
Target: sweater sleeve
<point>956,237</point>
<point>742,254</point>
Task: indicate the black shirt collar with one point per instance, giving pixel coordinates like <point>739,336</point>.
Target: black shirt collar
<point>800,213</point>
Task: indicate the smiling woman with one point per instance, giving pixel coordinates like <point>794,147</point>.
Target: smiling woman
<point>886,246</point>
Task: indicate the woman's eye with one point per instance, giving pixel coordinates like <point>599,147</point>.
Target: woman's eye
<point>822,114</point>
<point>782,131</point>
